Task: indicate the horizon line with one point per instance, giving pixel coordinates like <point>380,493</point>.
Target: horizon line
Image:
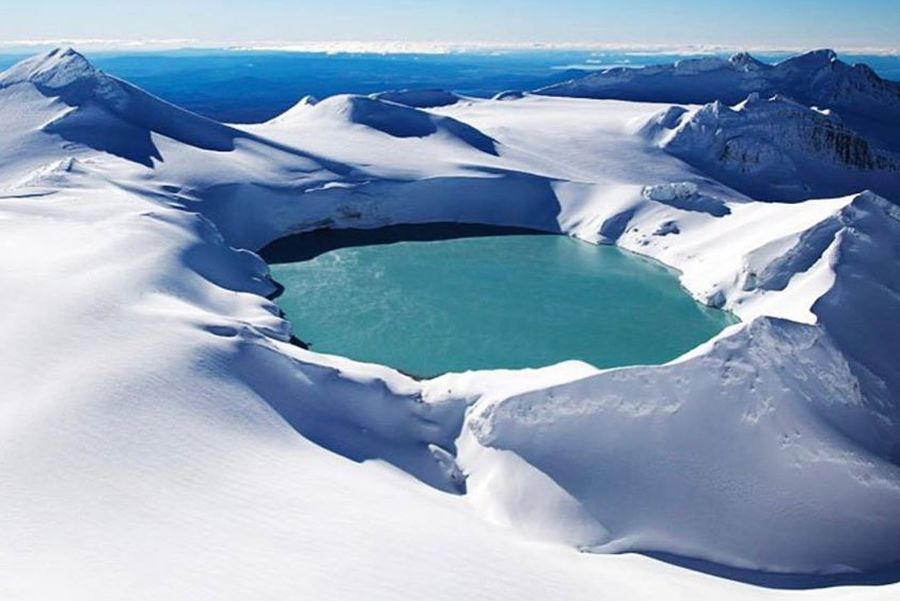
<point>424,47</point>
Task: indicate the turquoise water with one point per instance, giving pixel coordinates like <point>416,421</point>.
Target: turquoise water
<point>429,307</point>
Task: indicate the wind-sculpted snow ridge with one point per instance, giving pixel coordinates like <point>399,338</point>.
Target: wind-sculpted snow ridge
<point>57,70</point>
<point>125,114</point>
<point>509,95</point>
<point>777,473</point>
<point>155,418</point>
<point>59,96</point>
<point>419,98</point>
<point>802,422</point>
<point>774,149</point>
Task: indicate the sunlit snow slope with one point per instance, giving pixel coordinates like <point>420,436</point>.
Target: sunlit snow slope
<point>161,438</point>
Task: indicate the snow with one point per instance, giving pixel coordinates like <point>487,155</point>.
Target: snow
<point>386,116</point>
<point>818,78</point>
<point>508,95</point>
<point>759,469</point>
<point>56,70</point>
<point>775,148</point>
<point>159,434</point>
<point>419,98</point>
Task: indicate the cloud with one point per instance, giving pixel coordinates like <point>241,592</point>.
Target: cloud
<point>100,44</point>
<point>418,47</point>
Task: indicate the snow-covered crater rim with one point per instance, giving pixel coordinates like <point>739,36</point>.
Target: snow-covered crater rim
<point>306,245</point>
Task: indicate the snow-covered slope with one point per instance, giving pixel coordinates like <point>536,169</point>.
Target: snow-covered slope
<point>99,111</point>
<point>776,148</point>
<point>608,439</point>
<point>816,78</point>
<point>419,98</point>
<point>866,102</point>
<point>154,418</point>
<point>57,106</point>
<point>388,117</point>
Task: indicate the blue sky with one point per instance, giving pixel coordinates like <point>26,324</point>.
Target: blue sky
<point>747,23</point>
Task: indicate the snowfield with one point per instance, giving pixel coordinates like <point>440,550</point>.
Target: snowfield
<point>160,436</point>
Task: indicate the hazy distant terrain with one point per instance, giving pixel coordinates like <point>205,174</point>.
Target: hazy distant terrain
<point>253,86</point>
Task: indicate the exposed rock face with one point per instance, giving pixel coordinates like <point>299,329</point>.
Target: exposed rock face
<point>780,143</point>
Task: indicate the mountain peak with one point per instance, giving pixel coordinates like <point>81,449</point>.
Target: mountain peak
<point>745,61</point>
<point>53,70</point>
<point>824,53</point>
<point>812,59</point>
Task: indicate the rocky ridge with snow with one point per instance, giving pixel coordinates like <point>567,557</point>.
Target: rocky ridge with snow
<point>817,78</point>
<point>775,148</point>
<point>866,107</point>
